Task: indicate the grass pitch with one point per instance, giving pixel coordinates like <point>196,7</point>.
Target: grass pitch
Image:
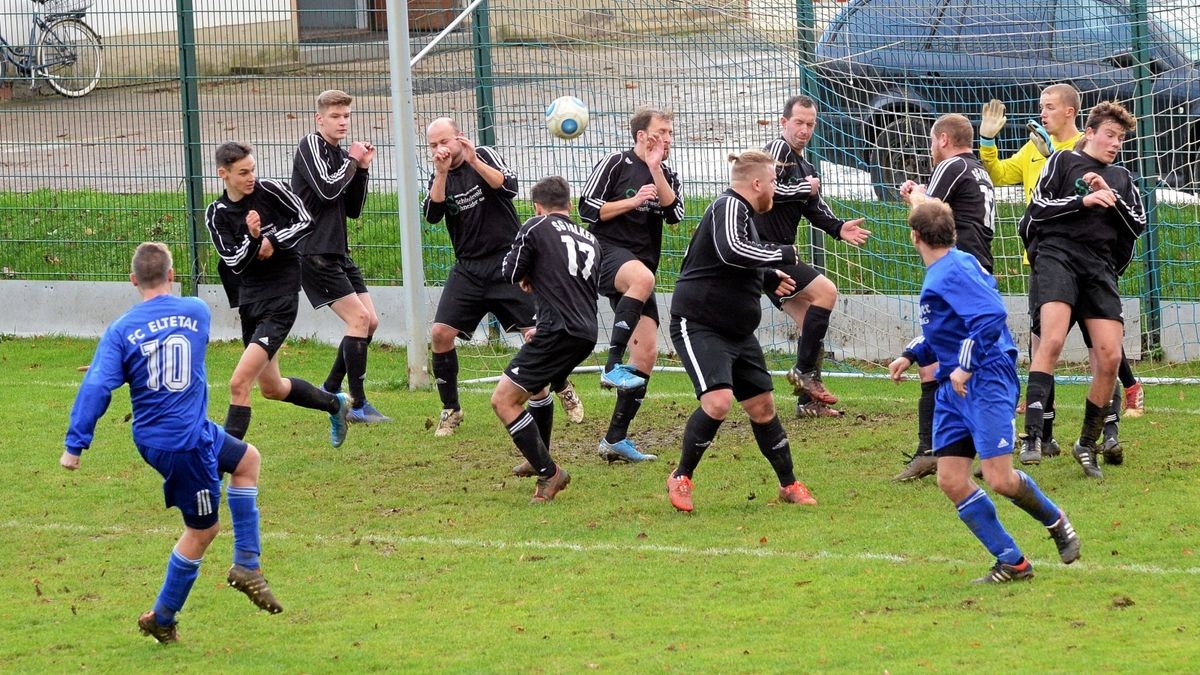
<point>404,552</point>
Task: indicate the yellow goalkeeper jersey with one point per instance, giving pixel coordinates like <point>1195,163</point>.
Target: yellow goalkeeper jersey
<point>1023,167</point>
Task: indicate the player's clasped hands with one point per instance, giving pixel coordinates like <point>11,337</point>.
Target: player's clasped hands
<point>442,157</point>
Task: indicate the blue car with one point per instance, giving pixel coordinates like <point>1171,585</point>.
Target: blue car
<point>886,69</point>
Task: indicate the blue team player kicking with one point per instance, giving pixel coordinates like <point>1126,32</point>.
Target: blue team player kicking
<point>963,322</point>
<point>158,348</point>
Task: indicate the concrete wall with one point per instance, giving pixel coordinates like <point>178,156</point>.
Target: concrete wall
<point>868,327</point>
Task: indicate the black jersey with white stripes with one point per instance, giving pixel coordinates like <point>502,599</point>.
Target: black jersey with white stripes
<point>561,261</point>
<point>794,199</point>
<point>332,187</point>
<point>963,183</point>
<point>481,220</point>
<point>721,280</point>
<point>284,222</point>
<point>620,176</point>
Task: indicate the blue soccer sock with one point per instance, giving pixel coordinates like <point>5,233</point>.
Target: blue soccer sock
<point>1033,501</point>
<point>979,513</point>
<point>181,574</point>
<point>243,511</point>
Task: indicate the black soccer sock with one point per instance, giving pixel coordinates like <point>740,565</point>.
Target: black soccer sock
<point>1093,423</point>
<point>525,436</point>
<point>812,338</point>
<point>1036,393</point>
<point>337,372</point>
<point>698,434</point>
<point>773,444</point>
<point>355,351</point>
<point>445,375</point>
<point>237,421</point>
<point>627,314</point>
<point>1112,419</point>
<point>628,403</point>
<point>305,395</point>
<point>1125,371</point>
<point>1048,415</point>
<point>542,412</point>
<point>925,418</point>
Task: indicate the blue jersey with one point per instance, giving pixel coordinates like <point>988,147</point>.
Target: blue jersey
<point>963,319</point>
<point>158,348</point>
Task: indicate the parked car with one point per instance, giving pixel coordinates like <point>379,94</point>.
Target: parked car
<point>885,69</point>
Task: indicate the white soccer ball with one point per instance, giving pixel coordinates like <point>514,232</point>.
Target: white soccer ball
<point>566,117</point>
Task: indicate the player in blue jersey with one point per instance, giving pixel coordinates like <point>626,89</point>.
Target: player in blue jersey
<point>158,349</point>
<point>963,322</point>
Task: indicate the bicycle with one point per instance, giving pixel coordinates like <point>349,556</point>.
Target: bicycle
<point>61,48</point>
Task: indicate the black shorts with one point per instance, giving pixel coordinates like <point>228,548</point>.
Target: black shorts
<point>476,287</point>
<point>717,361</point>
<point>267,323</point>
<point>610,263</point>
<point>803,274</point>
<point>548,359</point>
<point>1078,278</point>
<point>329,277</point>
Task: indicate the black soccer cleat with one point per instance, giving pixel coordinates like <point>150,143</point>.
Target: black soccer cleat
<point>1029,449</point>
<point>1003,573</point>
<point>919,465</point>
<point>164,634</point>
<point>1063,534</point>
<point>1050,448</point>
<point>1112,452</point>
<point>254,585</point>
<point>1086,456</point>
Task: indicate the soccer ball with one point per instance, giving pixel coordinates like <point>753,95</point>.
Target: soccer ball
<point>566,117</point>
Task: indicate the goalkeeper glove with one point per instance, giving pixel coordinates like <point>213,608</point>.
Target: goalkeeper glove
<point>1040,137</point>
<point>993,120</point>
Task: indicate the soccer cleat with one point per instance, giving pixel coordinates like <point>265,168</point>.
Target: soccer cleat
<point>1112,452</point>
<point>1050,448</point>
<point>919,466</point>
<point>571,404</point>
<point>338,422</point>
<point>448,421</point>
<point>622,451</point>
<point>164,634</point>
<point>368,414</point>
<point>1063,534</point>
<point>524,470</point>
<point>548,487</point>
<point>1135,400</point>
<point>1086,456</point>
<point>810,383</point>
<point>1003,573</point>
<point>254,585</point>
<point>679,489</point>
<point>815,408</point>
<point>1029,449</point>
<point>621,377</point>
<point>796,493</point>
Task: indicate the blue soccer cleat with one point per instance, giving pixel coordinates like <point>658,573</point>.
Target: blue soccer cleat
<point>367,414</point>
<point>623,451</point>
<point>621,377</point>
<point>339,422</point>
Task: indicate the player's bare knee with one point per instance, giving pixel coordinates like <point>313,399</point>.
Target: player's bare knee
<point>821,292</point>
<point>239,386</point>
<point>1004,483</point>
<point>273,390</point>
<point>954,486</point>
<point>373,323</point>
<point>250,464</point>
<point>716,403</point>
<point>442,338</point>
<point>638,280</point>
<point>201,538</point>
<point>1051,345</point>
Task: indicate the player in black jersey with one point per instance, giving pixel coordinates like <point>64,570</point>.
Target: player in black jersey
<point>559,263</point>
<point>255,226</point>
<point>714,316</point>
<point>472,188</point>
<point>798,195</point>
<point>960,181</point>
<point>1080,230</point>
<point>625,202</point>
<point>332,182</point>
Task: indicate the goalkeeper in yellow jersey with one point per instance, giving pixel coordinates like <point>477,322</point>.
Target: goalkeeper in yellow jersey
<point>1057,130</point>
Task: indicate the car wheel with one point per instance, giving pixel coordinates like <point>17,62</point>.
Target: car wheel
<point>901,153</point>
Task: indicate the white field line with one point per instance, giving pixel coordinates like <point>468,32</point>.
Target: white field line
<point>593,547</point>
<point>1153,409</point>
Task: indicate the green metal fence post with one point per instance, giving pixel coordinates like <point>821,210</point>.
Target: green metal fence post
<point>193,166</point>
<point>806,26</point>
<point>484,102</point>
<point>1144,109</point>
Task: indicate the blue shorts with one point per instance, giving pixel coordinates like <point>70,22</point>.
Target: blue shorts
<point>191,480</point>
<point>984,415</point>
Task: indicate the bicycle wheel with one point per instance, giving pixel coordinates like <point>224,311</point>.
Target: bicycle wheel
<point>70,58</point>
